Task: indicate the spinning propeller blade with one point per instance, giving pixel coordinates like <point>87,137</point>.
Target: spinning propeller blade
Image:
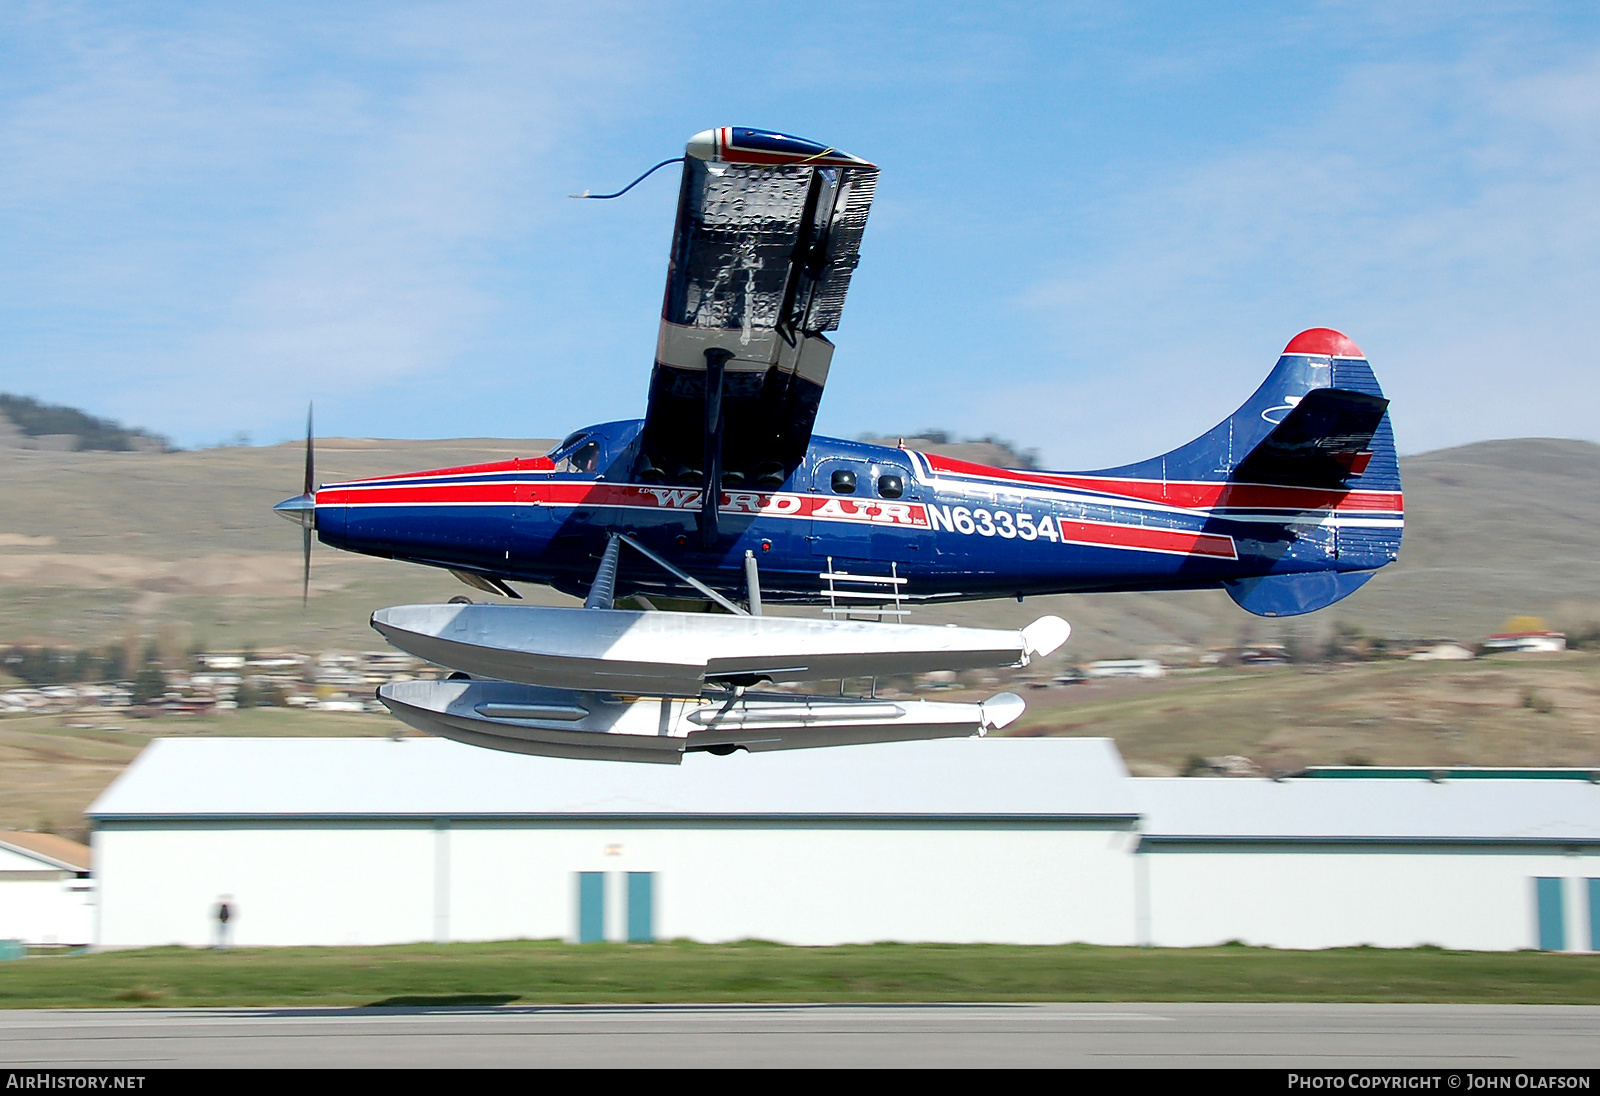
<point>303,509</point>
<point>311,463</point>
<point>309,493</point>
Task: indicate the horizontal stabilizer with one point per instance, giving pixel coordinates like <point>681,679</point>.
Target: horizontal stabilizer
<point>1323,440</point>
<point>683,653</point>
<point>529,719</point>
<point>1291,595</point>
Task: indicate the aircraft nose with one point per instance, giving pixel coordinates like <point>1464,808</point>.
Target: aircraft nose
<point>302,509</point>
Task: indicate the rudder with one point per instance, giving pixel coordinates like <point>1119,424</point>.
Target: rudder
<point>1319,358</point>
<point>1318,428</point>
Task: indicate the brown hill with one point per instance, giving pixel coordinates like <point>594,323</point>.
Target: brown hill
<point>97,546</point>
<point>101,547</point>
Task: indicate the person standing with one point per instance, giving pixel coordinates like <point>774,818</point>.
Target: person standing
<point>224,915</point>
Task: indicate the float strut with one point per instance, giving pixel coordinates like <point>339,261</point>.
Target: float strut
<point>680,574</point>
<point>603,590</point>
<point>752,582</point>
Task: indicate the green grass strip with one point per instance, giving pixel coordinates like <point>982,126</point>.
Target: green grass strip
<point>540,972</point>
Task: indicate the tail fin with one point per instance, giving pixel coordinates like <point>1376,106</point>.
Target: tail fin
<point>1318,361</point>
<point>1319,427</point>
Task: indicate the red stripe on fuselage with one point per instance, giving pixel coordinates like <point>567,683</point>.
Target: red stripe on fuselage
<point>1145,539</point>
<point>1190,494</point>
<point>913,515</point>
<point>421,494</point>
<point>589,493</point>
<point>517,464</point>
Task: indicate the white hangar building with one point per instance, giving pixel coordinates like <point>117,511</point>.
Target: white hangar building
<point>1026,840</point>
<point>1464,861</point>
<point>45,892</point>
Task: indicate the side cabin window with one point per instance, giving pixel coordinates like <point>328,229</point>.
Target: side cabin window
<point>865,479</point>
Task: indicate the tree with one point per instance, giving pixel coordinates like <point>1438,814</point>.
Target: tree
<point>149,685</point>
<point>249,694</point>
<point>115,662</point>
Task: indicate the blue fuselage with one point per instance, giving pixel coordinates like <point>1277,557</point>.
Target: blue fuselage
<point>950,529</point>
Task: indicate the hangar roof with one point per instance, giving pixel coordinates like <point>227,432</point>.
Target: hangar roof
<point>1498,811</point>
<point>433,777</point>
<point>1018,778</point>
<point>47,848</point>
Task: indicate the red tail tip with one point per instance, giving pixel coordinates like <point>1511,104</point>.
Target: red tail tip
<point>1323,341</point>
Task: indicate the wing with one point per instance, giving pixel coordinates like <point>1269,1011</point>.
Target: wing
<point>768,233</point>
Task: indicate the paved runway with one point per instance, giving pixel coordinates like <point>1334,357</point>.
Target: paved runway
<point>1280,1036</point>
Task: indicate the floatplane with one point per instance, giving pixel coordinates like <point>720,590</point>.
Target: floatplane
<point>723,499</point>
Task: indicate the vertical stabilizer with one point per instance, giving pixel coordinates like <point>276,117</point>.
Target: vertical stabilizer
<point>1311,449</point>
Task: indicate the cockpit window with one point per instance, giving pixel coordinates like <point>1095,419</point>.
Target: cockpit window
<point>567,443</point>
<point>586,458</point>
<point>578,453</point>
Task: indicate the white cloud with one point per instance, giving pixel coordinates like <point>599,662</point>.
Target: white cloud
<point>208,215</point>
<point>1442,214</point>
<point>232,213</point>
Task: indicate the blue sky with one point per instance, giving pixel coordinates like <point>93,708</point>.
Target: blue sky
<point>1097,225</point>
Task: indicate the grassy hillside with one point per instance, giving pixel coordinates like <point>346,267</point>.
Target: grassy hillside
<point>53,766</point>
<point>1493,530</point>
<point>1538,710</point>
<point>1510,710</point>
<point>97,546</point>
<point>185,546</point>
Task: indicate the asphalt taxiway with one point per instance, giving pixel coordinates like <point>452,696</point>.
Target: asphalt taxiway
<point>1305,1036</point>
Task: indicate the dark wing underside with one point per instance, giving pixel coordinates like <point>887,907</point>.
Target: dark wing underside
<point>768,233</point>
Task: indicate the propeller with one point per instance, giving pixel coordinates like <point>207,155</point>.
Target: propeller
<point>302,509</point>
<point>309,492</point>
